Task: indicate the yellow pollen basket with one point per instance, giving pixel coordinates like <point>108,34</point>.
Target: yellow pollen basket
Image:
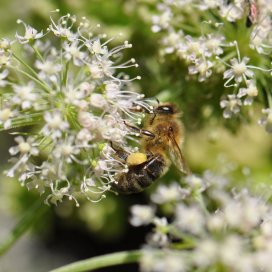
<point>136,158</point>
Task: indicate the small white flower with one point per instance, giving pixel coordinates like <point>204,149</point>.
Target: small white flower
<point>97,49</point>
<point>88,120</point>
<point>5,58</point>
<point>213,45</point>
<point>266,120</point>
<point>165,194</point>
<point>5,117</point>
<point>58,194</point>
<point>209,4</point>
<point>196,183</point>
<point>112,90</point>
<point>239,70</point>
<point>162,22</point>
<point>266,228</point>
<point>3,76</point>
<point>230,248</point>
<point>72,50</point>
<point>261,34</point>
<point>148,260</point>
<point>231,106</point>
<point>249,212</point>
<point>83,137</point>
<point>232,12</point>
<point>141,215</point>
<point>159,237</point>
<point>31,34</point>
<point>5,44</point>
<point>206,252</point>
<point>37,184</point>
<point>74,95</point>
<point>63,28</point>
<point>250,91</point>
<point>25,95</point>
<point>112,129</point>
<point>190,219</point>
<point>103,166</point>
<point>201,67</point>
<point>98,101</point>
<point>24,147</point>
<point>86,88</point>
<point>262,260</point>
<point>49,69</point>
<point>216,222</point>
<point>192,48</point>
<point>96,70</point>
<point>55,125</point>
<point>66,150</point>
<point>172,41</point>
<point>170,261</point>
<point>49,172</point>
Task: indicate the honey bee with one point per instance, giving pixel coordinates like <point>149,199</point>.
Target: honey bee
<point>162,137</point>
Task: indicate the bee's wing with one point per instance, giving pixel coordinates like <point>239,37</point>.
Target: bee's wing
<point>176,155</point>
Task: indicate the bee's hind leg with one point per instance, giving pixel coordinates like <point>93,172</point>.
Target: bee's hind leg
<point>121,153</point>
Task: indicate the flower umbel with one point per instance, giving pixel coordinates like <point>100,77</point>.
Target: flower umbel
<point>233,43</point>
<point>204,231</point>
<point>78,96</point>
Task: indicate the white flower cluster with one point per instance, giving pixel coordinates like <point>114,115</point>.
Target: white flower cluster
<point>209,43</point>
<point>209,228</point>
<point>72,86</point>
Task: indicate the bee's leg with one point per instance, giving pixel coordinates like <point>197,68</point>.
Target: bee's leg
<point>154,166</point>
<point>141,131</point>
<point>122,154</point>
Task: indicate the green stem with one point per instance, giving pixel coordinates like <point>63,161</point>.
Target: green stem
<point>25,64</point>
<point>64,79</point>
<point>269,97</point>
<point>182,246</point>
<point>29,218</point>
<point>35,76</point>
<point>202,204</point>
<point>25,120</point>
<point>117,258</point>
<point>186,238</point>
<point>37,52</point>
<point>47,89</point>
<point>229,56</point>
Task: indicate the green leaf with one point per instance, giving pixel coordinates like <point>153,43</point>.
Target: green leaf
<point>31,216</point>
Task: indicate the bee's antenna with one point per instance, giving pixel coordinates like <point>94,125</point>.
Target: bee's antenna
<point>153,117</point>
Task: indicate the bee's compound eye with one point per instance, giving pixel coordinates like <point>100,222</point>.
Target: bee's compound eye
<point>165,110</point>
<point>136,158</point>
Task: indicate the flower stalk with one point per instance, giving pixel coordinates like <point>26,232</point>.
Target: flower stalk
<point>117,258</point>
